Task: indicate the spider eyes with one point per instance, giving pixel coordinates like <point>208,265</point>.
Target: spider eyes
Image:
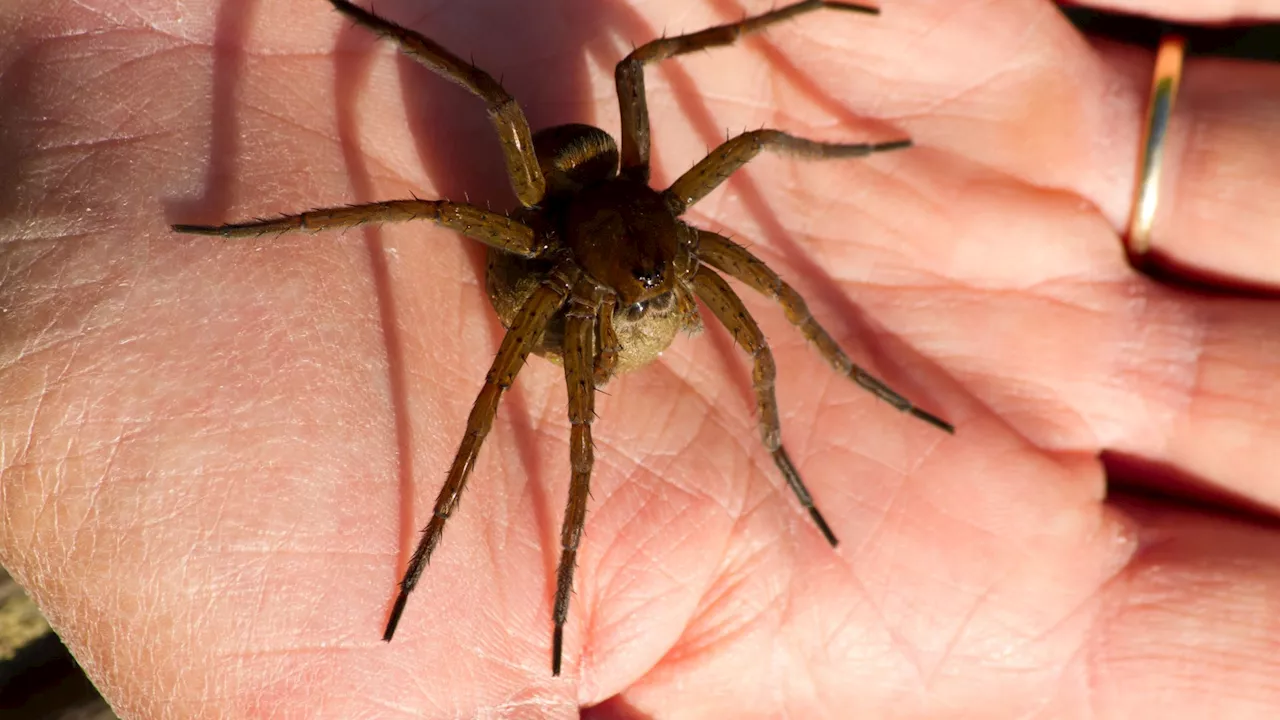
<point>650,277</point>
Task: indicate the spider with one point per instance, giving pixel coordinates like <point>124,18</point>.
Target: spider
<point>595,270</point>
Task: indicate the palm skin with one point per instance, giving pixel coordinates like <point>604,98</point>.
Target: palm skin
<point>216,453</point>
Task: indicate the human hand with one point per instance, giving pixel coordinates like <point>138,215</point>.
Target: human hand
<point>216,451</point>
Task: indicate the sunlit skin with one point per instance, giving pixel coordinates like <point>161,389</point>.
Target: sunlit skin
<point>215,452</point>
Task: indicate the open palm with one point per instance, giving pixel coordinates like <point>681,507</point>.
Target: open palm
<point>217,452</point>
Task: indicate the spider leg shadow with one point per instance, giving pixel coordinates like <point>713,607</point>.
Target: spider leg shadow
<point>350,68</point>
<point>235,18</point>
<point>16,96</point>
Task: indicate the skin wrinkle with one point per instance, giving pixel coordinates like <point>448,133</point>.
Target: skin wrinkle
<point>724,631</point>
<point>919,461</point>
<point>68,173</point>
<point>769,499</point>
<point>959,520</point>
<point>405,710</point>
<point>747,443</point>
<point>1192,362</point>
<point>881,522</point>
<point>1061,693</point>
<point>859,204</point>
<point>1063,399</point>
<point>635,519</point>
<point>882,621</point>
<point>783,612</point>
<point>987,172</point>
<point>96,491</point>
<point>941,108</point>
<point>692,491</point>
<point>961,628</point>
<point>1140,568</point>
<point>898,640</point>
<point>1093,441</point>
<point>819,242</point>
<point>654,561</point>
<point>835,408</point>
<point>1092,598</point>
<point>105,70</point>
<point>317,134</point>
<point>610,589</point>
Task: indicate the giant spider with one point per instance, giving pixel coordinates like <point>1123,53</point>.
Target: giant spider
<point>596,270</point>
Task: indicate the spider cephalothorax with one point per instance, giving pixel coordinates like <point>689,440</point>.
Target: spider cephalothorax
<point>596,270</point>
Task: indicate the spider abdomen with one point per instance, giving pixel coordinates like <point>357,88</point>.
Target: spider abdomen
<point>574,156</point>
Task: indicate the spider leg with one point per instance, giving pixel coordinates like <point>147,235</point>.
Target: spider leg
<point>736,261</point>
<point>607,353</point>
<point>491,228</point>
<point>732,154</point>
<point>504,112</point>
<point>519,341</point>
<point>725,304</point>
<point>579,363</point>
<point>629,74</point>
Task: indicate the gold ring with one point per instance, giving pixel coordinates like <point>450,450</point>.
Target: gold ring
<point>1146,194</point>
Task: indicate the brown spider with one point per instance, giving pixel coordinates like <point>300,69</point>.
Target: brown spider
<point>596,271</point>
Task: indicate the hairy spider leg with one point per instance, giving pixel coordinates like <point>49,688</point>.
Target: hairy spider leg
<point>579,376</point>
<point>736,261</point>
<point>610,346</point>
<point>519,341</point>
<point>728,157</point>
<point>629,73</point>
<point>504,112</point>
<point>491,228</point>
<point>725,304</point>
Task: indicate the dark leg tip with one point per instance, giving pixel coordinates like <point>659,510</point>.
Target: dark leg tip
<point>194,229</point>
<point>853,7</point>
<point>557,645</point>
<point>394,620</point>
<point>934,420</point>
<point>892,145</point>
<point>822,526</point>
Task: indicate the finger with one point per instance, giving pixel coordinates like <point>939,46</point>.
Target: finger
<point>1026,95</point>
<point>1091,355</point>
<point>1191,627</point>
<point>1222,416</point>
<point>1192,10</point>
<point>1216,216</point>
